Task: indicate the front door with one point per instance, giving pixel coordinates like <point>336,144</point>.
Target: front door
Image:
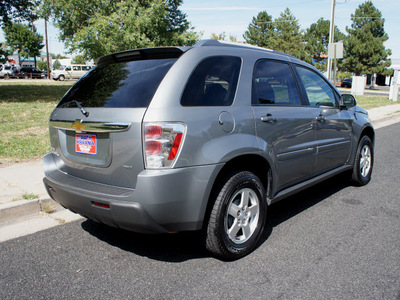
<point>284,126</point>
<point>333,126</point>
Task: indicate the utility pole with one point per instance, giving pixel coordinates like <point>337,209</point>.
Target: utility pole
<point>47,49</point>
<point>331,37</point>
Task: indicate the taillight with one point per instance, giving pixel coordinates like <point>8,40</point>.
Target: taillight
<point>162,143</point>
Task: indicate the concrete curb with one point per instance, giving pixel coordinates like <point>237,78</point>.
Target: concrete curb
<point>17,209</point>
<point>386,121</point>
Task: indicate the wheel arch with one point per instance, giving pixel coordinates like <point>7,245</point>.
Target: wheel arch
<point>256,164</point>
<point>368,131</point>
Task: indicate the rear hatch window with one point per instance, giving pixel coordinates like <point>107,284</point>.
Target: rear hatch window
<point>105,145</point>
<point>127,84</point>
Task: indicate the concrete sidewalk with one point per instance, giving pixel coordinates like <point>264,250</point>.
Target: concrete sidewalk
<point>23,192</point>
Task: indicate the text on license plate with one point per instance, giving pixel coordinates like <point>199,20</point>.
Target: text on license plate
<point>86,143</point>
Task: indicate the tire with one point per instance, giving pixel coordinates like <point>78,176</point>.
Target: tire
<point>237,218</point>
<point>61,78</point>
<point>364,162</point>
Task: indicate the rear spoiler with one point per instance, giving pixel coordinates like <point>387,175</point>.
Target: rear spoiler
<point>142,54</point>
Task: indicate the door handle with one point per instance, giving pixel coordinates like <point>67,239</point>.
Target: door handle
<point>269,119</point>
<point>320,118</point>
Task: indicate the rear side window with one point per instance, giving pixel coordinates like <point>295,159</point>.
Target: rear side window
<point>273,83</point>
<point>128,84</point>
<point>213,82</point>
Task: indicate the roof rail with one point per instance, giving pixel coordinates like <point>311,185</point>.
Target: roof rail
<point>213,42</point>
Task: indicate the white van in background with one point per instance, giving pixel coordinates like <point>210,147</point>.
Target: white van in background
<point>70,72</point>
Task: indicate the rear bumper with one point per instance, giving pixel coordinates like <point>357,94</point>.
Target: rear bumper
<point>163,201</point>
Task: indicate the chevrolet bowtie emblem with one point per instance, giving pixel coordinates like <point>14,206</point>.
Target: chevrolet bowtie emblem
<point>78,126</point>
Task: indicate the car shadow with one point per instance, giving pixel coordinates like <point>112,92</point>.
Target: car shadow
<point>173,247</point>
<point>183,246</point>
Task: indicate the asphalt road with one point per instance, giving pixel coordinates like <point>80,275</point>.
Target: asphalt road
<point>333,241</point>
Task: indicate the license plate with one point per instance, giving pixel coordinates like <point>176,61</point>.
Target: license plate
<point>86,143</point>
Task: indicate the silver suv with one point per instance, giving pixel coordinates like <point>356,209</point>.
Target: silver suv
<point>201,138</point>
<point>6,71</point>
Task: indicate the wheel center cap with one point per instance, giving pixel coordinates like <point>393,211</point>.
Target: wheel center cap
<point>243,216</point>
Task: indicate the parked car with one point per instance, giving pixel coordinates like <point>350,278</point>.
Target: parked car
<point>28,72</point>
<point>6,71</point>
<point>201,138</point>
<point>70,72</point>
<point>346,83</point>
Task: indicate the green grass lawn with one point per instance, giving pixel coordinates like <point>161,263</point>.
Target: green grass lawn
<point>25,108</point>
<point>369,102</point>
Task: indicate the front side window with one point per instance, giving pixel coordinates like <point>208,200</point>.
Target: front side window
<point>318,91</point>
<point>213,82</point>
<point>273,83</point>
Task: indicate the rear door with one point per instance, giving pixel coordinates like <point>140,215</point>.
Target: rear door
<point>333,126</point>
<point>96,129</point>
<point>283,123</point>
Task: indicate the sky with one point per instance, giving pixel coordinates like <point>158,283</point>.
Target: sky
<point>234,16</point>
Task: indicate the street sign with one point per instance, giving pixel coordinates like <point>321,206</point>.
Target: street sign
<point>335,47</point>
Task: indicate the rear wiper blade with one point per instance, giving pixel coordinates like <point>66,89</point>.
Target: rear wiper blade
<point>83,111</point>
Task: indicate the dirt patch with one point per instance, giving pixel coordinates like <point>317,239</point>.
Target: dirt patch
<point>7,162</point>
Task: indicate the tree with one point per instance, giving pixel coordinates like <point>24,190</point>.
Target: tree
<point>287,36</point>
<point>16,10</point>
<point>219,37</point>
<point>3,54</point>
<point>260,30</point>
<point>96,27</point>
<point>79,59</point>
<point>57,56</point>
<point>56,64</point>
<point>42,64</point>
<point>317,40</point>
<point>282,34</point>
<point>23,39</point>
<point>222,37</point>
<point>365,52</point>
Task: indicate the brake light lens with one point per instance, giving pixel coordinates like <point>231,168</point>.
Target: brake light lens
<point>153,131</point>
<point>162,143</point>
<point>153,147</point>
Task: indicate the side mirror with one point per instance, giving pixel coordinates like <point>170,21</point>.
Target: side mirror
<point>347,100</point>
